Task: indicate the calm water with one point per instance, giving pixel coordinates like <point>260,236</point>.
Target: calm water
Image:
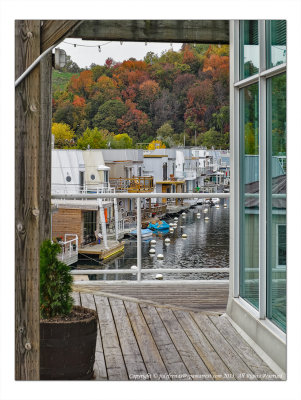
<point>207,245</point>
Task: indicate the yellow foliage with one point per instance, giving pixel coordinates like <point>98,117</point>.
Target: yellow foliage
<point>156,144</point>
<point>62,132</point>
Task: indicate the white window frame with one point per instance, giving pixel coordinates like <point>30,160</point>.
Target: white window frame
<point>236,84</point>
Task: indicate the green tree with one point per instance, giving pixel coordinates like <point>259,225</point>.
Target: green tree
<point>94,139</point>
<point>108,113</point>
<point>121,141</point>
<point>165,130</point>
<point>55,282</point>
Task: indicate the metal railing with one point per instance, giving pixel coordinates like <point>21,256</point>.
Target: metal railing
<point>138,196</point>
<point>69,253</point>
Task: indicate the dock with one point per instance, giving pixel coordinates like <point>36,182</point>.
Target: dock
<point>114,248</point>
<point>168,332</point>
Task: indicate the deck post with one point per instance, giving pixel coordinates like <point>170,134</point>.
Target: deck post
<point>116,218</point>
<point>103,223</point>
<point>27,202</point>
<point>138,204</point>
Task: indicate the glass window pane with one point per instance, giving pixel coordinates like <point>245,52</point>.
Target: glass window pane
<point>249,194</point>
<point>249,48</point>
<point>276,199</point>
<point>276,42</point>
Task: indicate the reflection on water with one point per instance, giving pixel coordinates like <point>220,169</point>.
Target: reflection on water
<point>207,245</point>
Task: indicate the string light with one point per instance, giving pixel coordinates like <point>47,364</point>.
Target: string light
<point>145,43</point>
<point>121,42</point>
<point>84,45</point>
<point>99,49</point>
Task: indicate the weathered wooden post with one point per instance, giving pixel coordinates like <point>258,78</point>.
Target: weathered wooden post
<point>27,202</point>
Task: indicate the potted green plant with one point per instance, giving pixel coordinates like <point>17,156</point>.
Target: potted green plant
<point>67,332</point>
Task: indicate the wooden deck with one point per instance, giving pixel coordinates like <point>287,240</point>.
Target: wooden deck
<point>205,296</point>
<point>114,248</point>
<point>143,341</point>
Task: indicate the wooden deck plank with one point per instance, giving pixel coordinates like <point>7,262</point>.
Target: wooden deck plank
<point>210,358</point>
<point>100,370</point>
<point>149,351</point>
<point>197,297</point>
<point>190,357</point>
<point>243,349</point>
<point>235,364</point>
<point>172,360</point>
<point>116,369</point>
<point>130,350</point>
<point>76,298</point>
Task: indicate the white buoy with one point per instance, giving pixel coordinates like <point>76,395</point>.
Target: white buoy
<point>160,256</point>
<point>175,218</point>
<point>152,251</point>
<point>225,205</point>
<point>159,277</point>
<point>167,240</point>
<point>171,230</point>
<point>198,214</point>
<point>217,206</point>
<point>206,218</point>
<point>183,214</point>
<point>205,210</point>
<point>184,236</point>
<point>134,268</point>
<point>153,242</point>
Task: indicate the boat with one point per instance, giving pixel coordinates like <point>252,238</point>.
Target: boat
<point>144,232</point>
<point>213,201</point>
<point>158,226</point>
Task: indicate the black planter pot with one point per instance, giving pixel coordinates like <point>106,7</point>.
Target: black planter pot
<point>67,349</point>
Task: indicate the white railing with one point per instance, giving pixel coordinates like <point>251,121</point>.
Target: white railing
<point>138,196</point>
<point>189,173</point>
<point>69,253</point>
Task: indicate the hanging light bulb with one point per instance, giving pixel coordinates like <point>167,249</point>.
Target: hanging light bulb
<point>99,49</point>
<point>74,45</point>
<point>145,43</point>
<point>121,42</point>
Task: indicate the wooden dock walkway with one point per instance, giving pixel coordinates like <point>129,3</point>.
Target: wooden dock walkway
<point>141,340</point>
<point>114,248</point>
<point>205,296</point>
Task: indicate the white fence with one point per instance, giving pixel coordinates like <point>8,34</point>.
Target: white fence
<point>69,253</point>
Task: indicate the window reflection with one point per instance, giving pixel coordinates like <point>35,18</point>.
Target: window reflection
<point>276,42</point>
<point>249,246</point>
<point>249,48</point>
<point>276,196</point>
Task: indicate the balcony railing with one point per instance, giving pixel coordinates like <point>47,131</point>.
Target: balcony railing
<point>69,253</point>
<point>133,185</point>
<point>140,271</point>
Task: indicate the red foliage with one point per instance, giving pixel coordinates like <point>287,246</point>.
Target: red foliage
<point>149,89</point>
<point>82,84</point>
<point>79,101</point>
<point>133,119</point>
<point>218,66</point>
<point>188,56</point>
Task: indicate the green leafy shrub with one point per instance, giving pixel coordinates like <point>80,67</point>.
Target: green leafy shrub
<point>55,282</point>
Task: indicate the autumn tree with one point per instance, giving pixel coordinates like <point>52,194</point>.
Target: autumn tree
<point>134,122</point>
<point>63,135</point>
<point>121,141</point>
<point>82,84</point>
<point>94,139</point>
<point>156,144</point>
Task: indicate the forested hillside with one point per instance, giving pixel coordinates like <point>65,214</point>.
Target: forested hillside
<point>134,102</point>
